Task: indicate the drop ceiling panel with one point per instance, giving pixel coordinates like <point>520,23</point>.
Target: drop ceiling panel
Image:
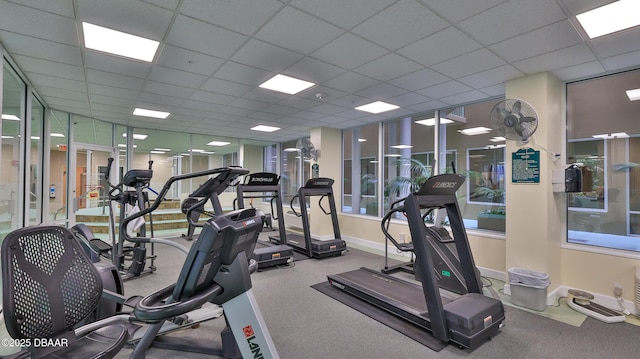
<point>213,97</point>
<point>627,60</point>
<point>243,16</point>
<point>549,38</point>
<point>176,77</point>
<point>618,43</point>
<point>262,55</point>
<point>165,89</point>
<point>491,77</point>
<point>419,80</point>
<point>456,10</point>
<point>573,72</point>
<point>116,65</point>
<point>157,102</point>
<point>205,38</point>
<point>403,22</point>
<point>440,46</point>
<point>316,71</point>
<point>190,61</point>
<point>115,80</point>
<point>444,90</point>
<point>350,82</point>
<point>381,92</point>
<point>556,59</point>
<point>39,24</point>
<point>42,66</point>
<point>42,49</point>
<point>112,91</point>
<point>360,51</point>
<point>465,97</point>
<point>293,29</point>
<point>56,92</point>
<point>133,17</point>
<point>388,67</point>
<point>225,87</point>
<point>512,18</point>
<point>57,82</point>
<point>351,12</point>
<point>243,74</point>
<point>477,61</point>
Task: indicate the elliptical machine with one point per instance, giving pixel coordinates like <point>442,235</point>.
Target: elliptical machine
<point>137,199</point>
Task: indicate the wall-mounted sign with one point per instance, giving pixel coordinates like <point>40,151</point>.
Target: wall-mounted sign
<point>525,166</point>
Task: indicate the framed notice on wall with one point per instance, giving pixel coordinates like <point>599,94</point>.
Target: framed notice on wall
<point>525,166</point>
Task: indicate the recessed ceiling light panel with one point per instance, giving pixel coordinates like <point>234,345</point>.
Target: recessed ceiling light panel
<point>218,143</point>
<point>432,121</point>
<point>377,107</point>
<point>286,84</point>
<point>633,95</point>
<point>265,128</point>
<point>150,113</point>
<point>118,43</point>
<point>617,16</point>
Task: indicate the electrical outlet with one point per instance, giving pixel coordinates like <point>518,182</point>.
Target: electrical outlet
<point>617,289</point>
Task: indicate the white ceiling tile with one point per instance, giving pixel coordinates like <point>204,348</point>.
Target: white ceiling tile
<point>456,10</point>
<point>491,77</point>
<point>165,89</point>
<point>213,97</point>
<point>328,109</point>
<point>299,102</point>
<point>161,102</point>
<point>116,101</point>
<point>403,22</point>
<point>249,104</point>
<point>350,14</point>
<point>350,101</point>
<point>351,114</point>
<point>310,69</point>
<point>297,31</point>
<point>617,43</point>
<point>176,77</point>
<point>440,46</point>
<point>577,71</point>
<point>57,92</point>
<point>428,106</point>
<point>205,38</point>
<point>115,80</point>
<point>419,80</point>
<point>388,67</point>
<point>57,82</point>
<point>477,61</point>
<point>190,61</point>
<point>265,116</point>
<point>59,7</point>
<point>360,51</point>
<point>167,4</point>
<point>623,61</point>
<point>512,18</point>
<point>577,54</point>
<point>330,94</point>
<point>408,99</point>
<point>382,92</point>
<point>36,23</point>
<point>308,115</point>
<point>226,87</point>
<point>133,17</point>
<point>232,71</point>
<point>265,56</point>
<point>111,91</point>
<point>43,66</point>
<point>281,110</point>
<point>116,65</point>
<point>465,97</point>
<point>350,82</point>
<point>495,90</point>
<point>243,16</point>
<point>444,90</point>
<point>549,38</point>
<point>42,49</point>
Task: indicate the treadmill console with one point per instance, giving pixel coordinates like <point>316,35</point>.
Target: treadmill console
<point>444,184</point>
<point>319,182</point>
<point>218,184</point>
<point>262,179</point>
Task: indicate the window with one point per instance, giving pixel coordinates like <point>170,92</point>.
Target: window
<point>35,166</point>
<point>360,170</point>
<point>603,138</point>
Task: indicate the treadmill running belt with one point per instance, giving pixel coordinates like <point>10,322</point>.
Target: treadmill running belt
<point>392,321</point>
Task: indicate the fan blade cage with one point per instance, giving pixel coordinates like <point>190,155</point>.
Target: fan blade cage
<point>514,119</point>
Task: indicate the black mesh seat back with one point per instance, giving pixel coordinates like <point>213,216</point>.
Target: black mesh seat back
<point>48,283</point>
<point>221,240</point>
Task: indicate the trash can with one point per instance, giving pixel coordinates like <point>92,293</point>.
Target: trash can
<point>528,288</point>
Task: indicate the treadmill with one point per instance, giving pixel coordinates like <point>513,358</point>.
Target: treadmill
<point>258,185</point>
<point>314,248</point>
<point>467,320</point>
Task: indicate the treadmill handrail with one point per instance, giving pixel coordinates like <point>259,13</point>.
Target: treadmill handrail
<point>320,205</point>
<point>291,205</point>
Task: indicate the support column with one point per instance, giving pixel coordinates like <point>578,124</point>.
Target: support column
<point>329,143</point>
<point>536,217</point>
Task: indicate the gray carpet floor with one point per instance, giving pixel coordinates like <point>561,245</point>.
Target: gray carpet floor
<point>307,324</point>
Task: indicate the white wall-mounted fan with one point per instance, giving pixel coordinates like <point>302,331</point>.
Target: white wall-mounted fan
<point>307,149</point>
<point>514,119</point>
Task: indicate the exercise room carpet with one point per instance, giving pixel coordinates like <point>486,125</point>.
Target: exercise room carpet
<point>412,331</point>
